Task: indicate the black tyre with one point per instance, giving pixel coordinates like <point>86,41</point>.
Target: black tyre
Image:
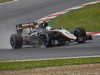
<point>80,34</point>
<point>16,41</point>
<point>47,39</point>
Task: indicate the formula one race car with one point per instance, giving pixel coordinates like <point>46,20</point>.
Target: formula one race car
<point>42,34</point>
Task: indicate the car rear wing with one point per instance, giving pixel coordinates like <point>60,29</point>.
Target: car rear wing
<point>20,27</point>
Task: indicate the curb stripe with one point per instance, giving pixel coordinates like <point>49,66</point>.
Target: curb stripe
<point>67,10</point>
<point>93,33</point>
<point>50,17</point>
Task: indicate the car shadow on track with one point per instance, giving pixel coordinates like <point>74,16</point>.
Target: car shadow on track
<point>56,45</point>
<point>72,43</point>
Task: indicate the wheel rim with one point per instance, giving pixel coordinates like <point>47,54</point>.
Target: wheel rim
<point>12,41</point>
<point>45,39</point>
<point>76,33</point>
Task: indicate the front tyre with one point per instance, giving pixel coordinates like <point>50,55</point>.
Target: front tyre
<point>16,41</point>
<point>80,34</point>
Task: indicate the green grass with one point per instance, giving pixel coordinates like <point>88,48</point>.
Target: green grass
<point>3,1</point>
<point>47,63</point>
<point>87,17</point>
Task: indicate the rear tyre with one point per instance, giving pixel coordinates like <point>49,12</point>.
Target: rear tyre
<point>48,39</point>
<point>16,41</point>
<point>80,34</point>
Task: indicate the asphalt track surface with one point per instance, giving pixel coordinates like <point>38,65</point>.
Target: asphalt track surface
<point>24,11</point>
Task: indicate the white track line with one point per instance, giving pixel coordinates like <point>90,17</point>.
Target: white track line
<point>8,2</point>
<point>53,58</point>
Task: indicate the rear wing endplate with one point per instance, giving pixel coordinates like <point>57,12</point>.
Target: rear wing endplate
<point>20,27</point>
